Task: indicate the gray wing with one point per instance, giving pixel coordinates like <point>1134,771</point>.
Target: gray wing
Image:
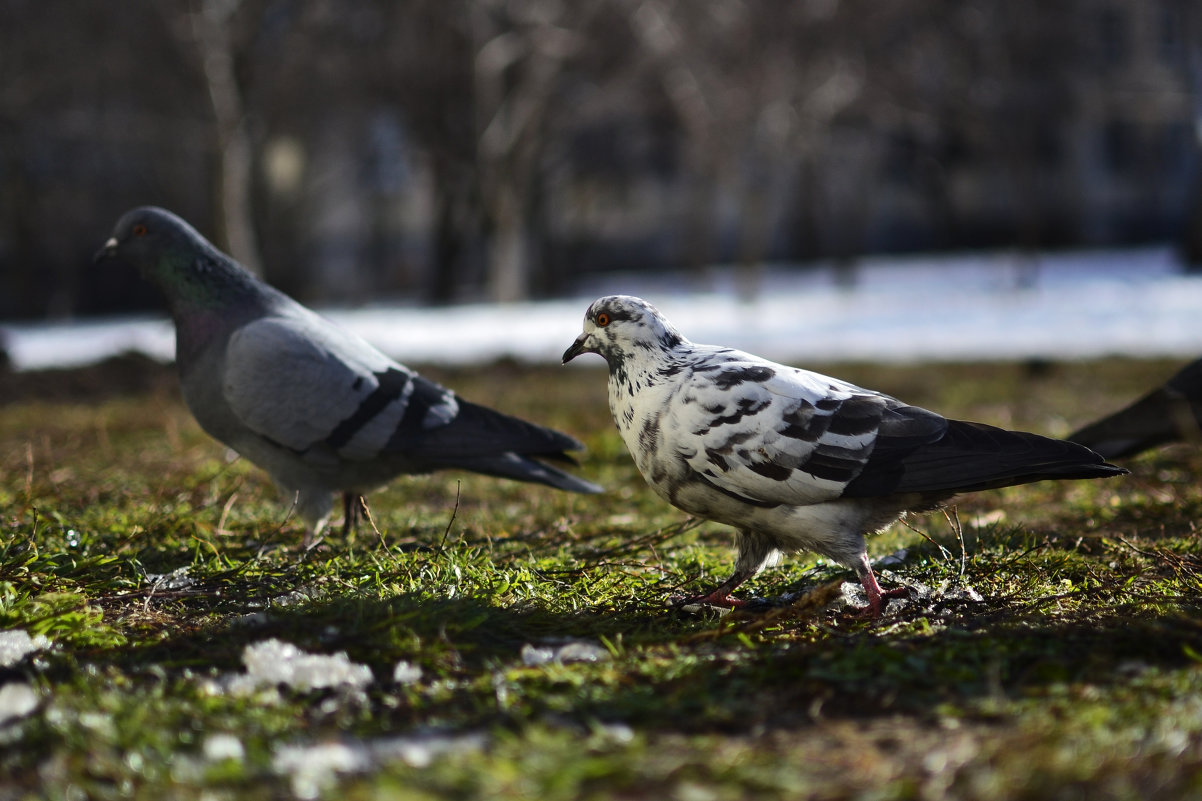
<point>302,382</point>
<point>324,393</point>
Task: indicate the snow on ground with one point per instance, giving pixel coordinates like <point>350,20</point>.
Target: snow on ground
<point>16,644</point>
<point>964,307</point>
<point>313,768</point>
<point>563,652</point>
<point>273,662</point>
<point>17,699</point>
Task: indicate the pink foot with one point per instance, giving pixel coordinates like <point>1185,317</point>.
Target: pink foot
<point>875,593</point>
<point>718,597</point>
<point>721,595</point>
<point>876,605</point>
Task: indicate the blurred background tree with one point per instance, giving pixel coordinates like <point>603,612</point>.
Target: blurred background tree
<point>452,150</point>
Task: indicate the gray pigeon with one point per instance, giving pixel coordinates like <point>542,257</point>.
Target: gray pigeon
<point>793,460</point>
<point>314,405</point>
<point>1170,413</point>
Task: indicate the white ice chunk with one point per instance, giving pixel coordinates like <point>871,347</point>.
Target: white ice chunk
<point>17,700</point>
<point>892,560</point>
<point>16,644</point>
<point>574,651</point>
<point>178,579</point>
<point>272,662</point>
<point>313,768</point>
<point>406,673</point>
<point>223,745</point>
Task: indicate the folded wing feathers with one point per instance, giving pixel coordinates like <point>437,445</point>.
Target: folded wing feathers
<point>295,388</point>
<point>309,386</point>
<point>781,439</point>
<point>812,443</point>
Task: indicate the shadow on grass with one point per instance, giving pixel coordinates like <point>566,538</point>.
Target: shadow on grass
<point>674,672</point>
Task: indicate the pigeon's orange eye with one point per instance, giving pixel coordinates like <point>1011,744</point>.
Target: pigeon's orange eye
<point>602,319</point>
<point>139,230</point>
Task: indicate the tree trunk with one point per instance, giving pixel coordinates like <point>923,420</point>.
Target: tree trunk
<point>508,252</point>
<point>210,28</point>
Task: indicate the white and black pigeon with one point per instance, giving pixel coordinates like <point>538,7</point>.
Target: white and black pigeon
<point>794,460</point>
<point>314,405</point>
<point>1170,413</point>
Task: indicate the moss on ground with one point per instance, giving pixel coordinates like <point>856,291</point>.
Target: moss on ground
<point>150,560</point>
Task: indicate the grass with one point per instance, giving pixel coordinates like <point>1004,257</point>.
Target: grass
<point>1076,674</point>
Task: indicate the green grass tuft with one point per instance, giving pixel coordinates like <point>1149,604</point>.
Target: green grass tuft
<point>150,561</point>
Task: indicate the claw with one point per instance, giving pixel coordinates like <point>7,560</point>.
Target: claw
<point>874,592</point>
<point>721,595</point>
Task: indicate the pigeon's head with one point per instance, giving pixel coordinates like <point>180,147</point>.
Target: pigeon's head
<point>172,255</point>
<point>146,235</point>
<point>618,326</point>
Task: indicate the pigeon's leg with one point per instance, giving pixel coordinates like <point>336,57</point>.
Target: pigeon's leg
<point>755,552</point>
<point>351,504</point>
<point>873,590</point>
<point>721,595</point>
<point>313,535</point>
<point>313,506</point>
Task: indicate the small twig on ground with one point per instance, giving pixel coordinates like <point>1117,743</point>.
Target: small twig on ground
<point>946,553</point>
<point>454,511</point>
<point>953,517</point>
<point>28,472</point>
<point>371,521</point>
<point>225,513</point>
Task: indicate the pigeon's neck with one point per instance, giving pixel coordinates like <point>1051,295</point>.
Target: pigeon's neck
<point>213,300</point>
<point>194,332</point>
<point>638,377</point>
<point>642,365</point>
<point>200,277</point>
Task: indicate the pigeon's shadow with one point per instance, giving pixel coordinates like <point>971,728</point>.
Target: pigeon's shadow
<point>678,673</point>
<point>468,632</point>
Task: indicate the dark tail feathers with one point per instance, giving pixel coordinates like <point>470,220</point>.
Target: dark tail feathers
<point>974,456</point>
<point>1162,416</point>
<point>522,468</point>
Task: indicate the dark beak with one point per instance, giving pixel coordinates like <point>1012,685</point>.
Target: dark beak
<point>576,349</point>
<point>107,251</point>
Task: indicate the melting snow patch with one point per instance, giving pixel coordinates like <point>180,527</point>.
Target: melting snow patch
<point>16,644</point>
<point>406,673</point>
<point>222,746</point>
<point>17,700</point>
<point>298,596</point>
<point>177,579</point>
<point>276,662</point>
<point>575,651</point>
<point>935,601</point>
<point>993,306</point>
<point>272,662</point>
<point>961,592</point>
<point>314,768</point>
